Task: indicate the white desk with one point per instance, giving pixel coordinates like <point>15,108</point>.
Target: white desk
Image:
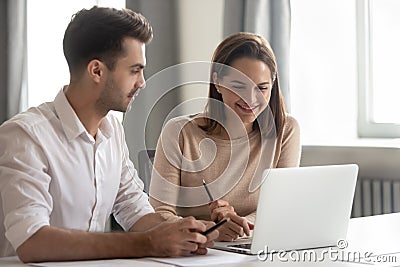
<point>379,234</point>
<point>376,234</point>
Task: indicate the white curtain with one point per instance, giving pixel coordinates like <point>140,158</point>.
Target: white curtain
<point>13,89</point>
<point>3,61</point>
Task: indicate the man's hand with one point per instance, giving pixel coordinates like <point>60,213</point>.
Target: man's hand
<point>166,239</point>
<point>235,228</point>
<point>180,238</point>
<point>210,238</point>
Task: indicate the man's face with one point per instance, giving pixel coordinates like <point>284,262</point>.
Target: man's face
<point>124,82</point>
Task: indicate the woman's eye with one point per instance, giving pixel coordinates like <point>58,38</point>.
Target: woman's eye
<point>238,87</point>
<point>263,88</point>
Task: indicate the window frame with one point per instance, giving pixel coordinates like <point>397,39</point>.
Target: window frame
<point>366,126</point>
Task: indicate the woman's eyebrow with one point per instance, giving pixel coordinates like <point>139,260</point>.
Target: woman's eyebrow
<point>242,83</point>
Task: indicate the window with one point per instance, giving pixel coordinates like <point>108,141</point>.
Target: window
<point>378,44</point>
<point>47,67</point>
<point>323,70</point>
<point>343,69</point>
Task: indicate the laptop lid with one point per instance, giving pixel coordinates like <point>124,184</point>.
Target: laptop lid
<point>300,208</point>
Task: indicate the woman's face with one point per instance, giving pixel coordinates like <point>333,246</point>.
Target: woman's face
<point>246,89</point>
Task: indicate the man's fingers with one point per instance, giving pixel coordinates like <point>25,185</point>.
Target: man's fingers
<point>182,237</point>
<point>190,223</point>
<point>209,244</point>
<point>213,235</point>
<point>194,237</point>
<point>190,246</point>
<point>201,251</point>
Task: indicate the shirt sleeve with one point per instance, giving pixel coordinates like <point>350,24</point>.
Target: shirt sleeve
<point>291,147</point>
<point>131,202</point>
<point>24,184</point>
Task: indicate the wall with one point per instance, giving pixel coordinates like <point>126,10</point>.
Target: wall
<point>142,123</point>
<point>374,161</point>
<point>201,30</point>
<point>184,30</point>
<point>378,184</point>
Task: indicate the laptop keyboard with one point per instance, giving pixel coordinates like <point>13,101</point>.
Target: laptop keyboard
<point>244,246</point>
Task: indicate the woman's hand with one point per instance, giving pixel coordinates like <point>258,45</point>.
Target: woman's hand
<point>235,228</point>
<point>219,210</point>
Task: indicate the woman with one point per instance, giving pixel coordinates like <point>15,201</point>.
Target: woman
<point>243,131</point>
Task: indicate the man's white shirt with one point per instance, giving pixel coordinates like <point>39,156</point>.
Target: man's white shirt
<point>53,172</point>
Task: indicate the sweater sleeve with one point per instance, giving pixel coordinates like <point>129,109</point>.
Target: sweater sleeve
<point>291,147</point>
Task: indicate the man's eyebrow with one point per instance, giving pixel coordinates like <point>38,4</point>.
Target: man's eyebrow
<point>137,65</point>
<point>264,83</point>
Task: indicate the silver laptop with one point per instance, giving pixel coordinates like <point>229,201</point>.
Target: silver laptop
<point>300,208</point>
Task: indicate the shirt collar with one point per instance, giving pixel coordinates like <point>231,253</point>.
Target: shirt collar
<point>70,122</point>
<point>105,126</point>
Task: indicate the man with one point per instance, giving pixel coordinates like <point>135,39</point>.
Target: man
<point>64,166</point>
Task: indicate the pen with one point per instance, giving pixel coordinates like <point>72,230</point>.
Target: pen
<point>208,191</point>
<point>206,232</point>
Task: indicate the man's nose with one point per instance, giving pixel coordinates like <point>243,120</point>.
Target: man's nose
<point>141,82</point>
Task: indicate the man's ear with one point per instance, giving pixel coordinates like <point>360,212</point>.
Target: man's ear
<point>95,69</point>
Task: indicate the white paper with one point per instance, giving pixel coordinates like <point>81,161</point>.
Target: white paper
<point>101,263</point>
<point>213,257</point>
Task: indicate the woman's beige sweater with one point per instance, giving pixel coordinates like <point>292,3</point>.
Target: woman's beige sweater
<point>186,155</point>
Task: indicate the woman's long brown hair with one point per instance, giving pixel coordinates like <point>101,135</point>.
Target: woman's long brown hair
<point>237,46</point>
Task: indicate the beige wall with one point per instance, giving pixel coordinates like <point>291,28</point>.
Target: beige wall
<point>374,161</point>
<point>201,30</point>
<point>184,31</point>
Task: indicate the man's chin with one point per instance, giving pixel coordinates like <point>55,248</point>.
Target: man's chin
<point>122,109</point>
<point>129,107</point>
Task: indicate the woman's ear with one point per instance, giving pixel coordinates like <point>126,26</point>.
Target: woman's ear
<point>215,81</point>
<point>95,69</point>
